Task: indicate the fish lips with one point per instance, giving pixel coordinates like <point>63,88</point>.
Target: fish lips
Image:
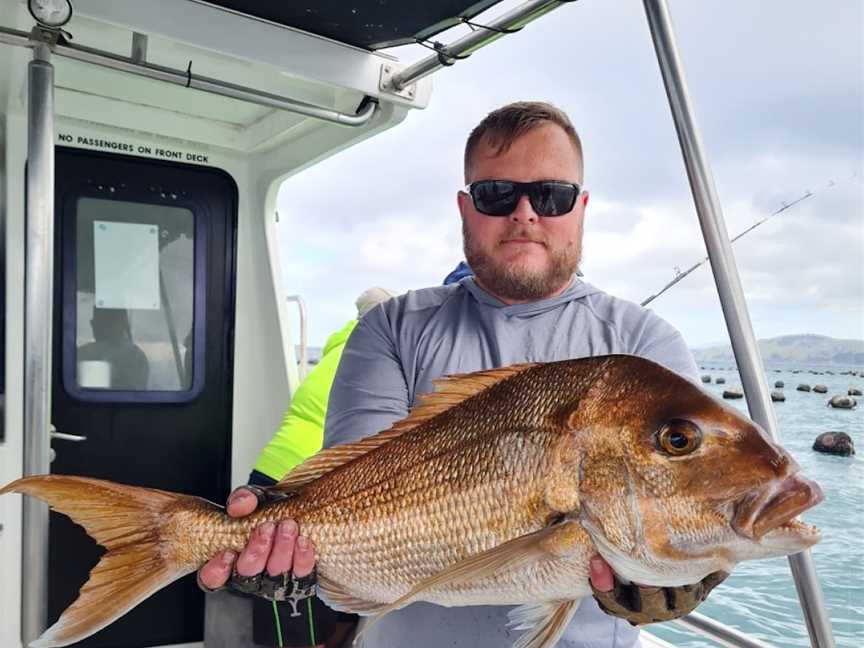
<point>759,513</point>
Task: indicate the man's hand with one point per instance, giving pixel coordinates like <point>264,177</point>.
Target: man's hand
<point>641,604</point>
<point>278,549</point>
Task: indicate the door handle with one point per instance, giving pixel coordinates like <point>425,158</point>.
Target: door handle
<point>54,434</point>
<point>66,437</point>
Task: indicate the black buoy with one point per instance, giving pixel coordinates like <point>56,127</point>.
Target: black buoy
<point>843,402</point>
<point>838,443</point>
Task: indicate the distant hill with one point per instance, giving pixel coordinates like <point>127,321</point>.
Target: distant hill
<point>797,349</point>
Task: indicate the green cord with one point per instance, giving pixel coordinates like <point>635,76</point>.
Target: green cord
<point>278,625</point>
<point>311,623</point>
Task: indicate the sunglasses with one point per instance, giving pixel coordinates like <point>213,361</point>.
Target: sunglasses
<point>500,197</point>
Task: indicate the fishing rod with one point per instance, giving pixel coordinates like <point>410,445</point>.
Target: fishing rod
<point>679,275</point>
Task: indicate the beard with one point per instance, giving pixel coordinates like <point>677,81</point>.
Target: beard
<point>516,282</point>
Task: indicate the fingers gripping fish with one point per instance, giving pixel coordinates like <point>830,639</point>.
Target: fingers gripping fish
<point>496,490</point>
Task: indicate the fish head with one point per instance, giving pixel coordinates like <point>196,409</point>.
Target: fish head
<point>676,484</point>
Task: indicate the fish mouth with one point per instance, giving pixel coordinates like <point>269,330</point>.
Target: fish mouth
<point>777,508</point>
<point>794,535</point>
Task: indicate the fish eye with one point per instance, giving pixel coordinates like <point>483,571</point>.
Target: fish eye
<point>679,437</point>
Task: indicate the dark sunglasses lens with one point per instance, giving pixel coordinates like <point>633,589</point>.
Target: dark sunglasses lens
<point>553,198</point>
<point>495,198</point>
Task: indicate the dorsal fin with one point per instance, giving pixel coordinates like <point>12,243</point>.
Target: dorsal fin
<point>327,460</point>
<point>452,390</point>
<point>449,391</point>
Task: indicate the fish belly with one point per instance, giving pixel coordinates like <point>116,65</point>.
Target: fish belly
<point>382,557</point>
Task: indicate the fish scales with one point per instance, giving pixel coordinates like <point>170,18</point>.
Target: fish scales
<point>457,485</point>
<point>410,526</point>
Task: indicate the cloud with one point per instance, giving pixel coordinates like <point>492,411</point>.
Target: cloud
<point>778,89</point>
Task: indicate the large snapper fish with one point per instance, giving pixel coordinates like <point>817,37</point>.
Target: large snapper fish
<point>496,490</point>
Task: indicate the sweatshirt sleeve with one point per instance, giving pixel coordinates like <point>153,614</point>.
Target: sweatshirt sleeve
<point>369,392</point>
<point>661,342</point>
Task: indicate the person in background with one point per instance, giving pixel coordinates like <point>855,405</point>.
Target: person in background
<point>113,343</point>
<point>522,212</point>
<point>300,436</point>
<point>302,431</point>
<point>461,271</point>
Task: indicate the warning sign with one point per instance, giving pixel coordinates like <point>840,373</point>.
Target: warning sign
<point>118,146</point>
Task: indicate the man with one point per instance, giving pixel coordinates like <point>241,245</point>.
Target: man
<point>113,343</point>
<point>522,220</point>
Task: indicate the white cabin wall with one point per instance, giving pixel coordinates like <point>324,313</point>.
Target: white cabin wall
<point>270,169</point>
<point>264,362</point>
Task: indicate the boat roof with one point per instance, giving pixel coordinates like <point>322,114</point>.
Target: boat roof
<point>370,24</point>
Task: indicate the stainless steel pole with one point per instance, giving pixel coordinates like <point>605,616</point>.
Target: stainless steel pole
<point>139,48</point>
<point>303,368</point>
<point>38,281</point>
<point>189,80</point>
<point>729,288</point>
<point>719,632</point>
<point>214,86</point>
<point>516,18</point>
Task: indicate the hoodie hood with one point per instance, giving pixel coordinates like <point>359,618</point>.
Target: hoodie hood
<point>576,290</point>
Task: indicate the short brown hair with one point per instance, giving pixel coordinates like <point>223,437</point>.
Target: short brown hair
<point>506,124</point>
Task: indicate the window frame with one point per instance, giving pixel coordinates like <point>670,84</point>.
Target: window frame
<point>69,302</point>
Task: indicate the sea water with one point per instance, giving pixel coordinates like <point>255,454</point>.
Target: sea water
<point>759,598</point>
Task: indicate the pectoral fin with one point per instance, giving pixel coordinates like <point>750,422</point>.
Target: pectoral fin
<point>510,556</point>
<point>545,622</point>
<point>336,598</point>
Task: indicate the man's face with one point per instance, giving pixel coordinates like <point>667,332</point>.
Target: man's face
<point>525,257</point>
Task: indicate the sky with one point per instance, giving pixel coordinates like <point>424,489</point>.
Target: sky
<point>778,89</point>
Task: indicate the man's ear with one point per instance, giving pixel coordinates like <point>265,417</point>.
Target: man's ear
<point>585,196</point>
<point>463,200</point>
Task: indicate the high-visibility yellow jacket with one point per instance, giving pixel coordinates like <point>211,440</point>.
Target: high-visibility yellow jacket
<point>302,431</point>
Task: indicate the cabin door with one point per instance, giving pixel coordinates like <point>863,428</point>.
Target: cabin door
<point>142,371</point>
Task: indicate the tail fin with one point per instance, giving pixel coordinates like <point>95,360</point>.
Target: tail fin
<point>127,521</point>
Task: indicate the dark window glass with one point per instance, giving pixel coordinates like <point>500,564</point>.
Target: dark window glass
<point>134,296</point>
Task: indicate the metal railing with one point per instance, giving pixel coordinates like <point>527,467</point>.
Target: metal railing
<point>38,294</point>
<point>481,36</point>
<point>729,287</point>
<point>303,360</point>
<point>186,79</point>
<point>719,632</point>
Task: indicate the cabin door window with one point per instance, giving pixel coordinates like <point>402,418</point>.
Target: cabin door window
<point>134,298</point>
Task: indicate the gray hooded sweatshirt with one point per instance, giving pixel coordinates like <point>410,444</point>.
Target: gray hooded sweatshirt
<point>401,346</point>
